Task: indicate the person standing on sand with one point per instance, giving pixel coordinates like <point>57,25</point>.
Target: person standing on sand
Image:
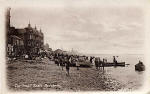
<point>70,59</point>
<point>103,63</point>
<point>96,63</point>
<point>61,62</point>
<point>114,60</point>
<point>99,63</point>
<point>56,61</point>
<point>77,63</point>
<point>91,59</point>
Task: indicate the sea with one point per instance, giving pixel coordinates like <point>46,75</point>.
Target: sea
<point>131,79</point>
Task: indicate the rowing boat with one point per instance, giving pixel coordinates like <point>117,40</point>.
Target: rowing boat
<point>109,64</point>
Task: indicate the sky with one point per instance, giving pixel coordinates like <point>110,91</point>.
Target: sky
<point>87,29</point>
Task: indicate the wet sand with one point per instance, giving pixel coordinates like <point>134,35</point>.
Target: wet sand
<point>48,76</point>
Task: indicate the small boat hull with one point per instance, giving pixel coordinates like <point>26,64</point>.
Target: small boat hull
<point>122,64</point>
<point>139,67</point>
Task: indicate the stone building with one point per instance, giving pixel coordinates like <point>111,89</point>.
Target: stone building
<point>23,41</point>
<point>34,40</point>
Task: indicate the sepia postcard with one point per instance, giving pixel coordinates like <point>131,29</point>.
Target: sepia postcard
<point>75,46</point>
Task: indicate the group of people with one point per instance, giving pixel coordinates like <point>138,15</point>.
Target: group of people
<point>73,60</point>
<point>98,62</point>
<point>66,61</point>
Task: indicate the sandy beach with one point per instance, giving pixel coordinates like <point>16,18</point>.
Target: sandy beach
<point>88,35</point>
<point>48,76</point>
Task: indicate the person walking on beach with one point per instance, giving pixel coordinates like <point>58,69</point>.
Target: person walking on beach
<point>67,63</point>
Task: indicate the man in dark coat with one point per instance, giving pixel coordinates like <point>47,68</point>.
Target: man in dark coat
<point>67,63</point>
<point>61,61</point>
<point>96,63</point>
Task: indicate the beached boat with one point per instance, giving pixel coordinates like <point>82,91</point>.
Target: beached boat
<point>82,63</point>
<point>139,67</point>
<point>85,64</point>
<point>109,64</point>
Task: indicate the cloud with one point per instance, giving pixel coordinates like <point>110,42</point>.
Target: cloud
<point>87,29</point>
